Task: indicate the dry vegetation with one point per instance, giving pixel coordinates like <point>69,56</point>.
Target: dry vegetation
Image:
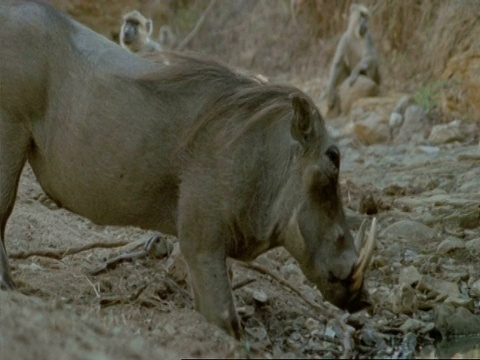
<point>296,38</point>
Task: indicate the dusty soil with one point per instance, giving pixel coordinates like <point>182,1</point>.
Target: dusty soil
<point>144,309</point>
<point>423,195</point>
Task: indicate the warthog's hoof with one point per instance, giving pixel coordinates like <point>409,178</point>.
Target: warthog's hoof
<point>6,283</point>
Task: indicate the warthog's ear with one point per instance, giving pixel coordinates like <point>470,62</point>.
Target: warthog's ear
<point>303,127</point>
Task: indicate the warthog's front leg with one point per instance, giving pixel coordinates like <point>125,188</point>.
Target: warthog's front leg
<point>202,242</point>
<point>13,149</point>
<point>213,294</point>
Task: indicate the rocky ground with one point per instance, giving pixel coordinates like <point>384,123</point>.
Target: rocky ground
<point>421,182</point>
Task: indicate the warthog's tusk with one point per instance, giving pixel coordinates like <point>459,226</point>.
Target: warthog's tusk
<point>359,239</point>
<point>364,257</point>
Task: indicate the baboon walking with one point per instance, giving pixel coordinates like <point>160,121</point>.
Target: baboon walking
<point>355,55</point>
<point>135,34</point>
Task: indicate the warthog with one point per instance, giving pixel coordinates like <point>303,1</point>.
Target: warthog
<point>231,166</point>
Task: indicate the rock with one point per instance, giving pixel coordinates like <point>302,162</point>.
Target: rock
<point>414,124</point>
<point>460,301</point>
<point>473,246</point>
<point>475,289</point>
<point>367,204</point>
<point>470,154</point>
<point>437,200</point>
<point>451,321</point>
<point>409,229</point>
<point>381,105</point>
<point>312,325</point>
<point>363,87</point>
<point>395,121</point>
<point>411,255</point>
<point>412,325</point>
<point>430,150</point>
<point>260,296</point>
<point>449,244</point>
<point>246,311</point>
<point>394,190</point>
<point>407,348</point>
<point>398,114</point>
<point>403,299</point>
<point>409,276</point>
<point>469,182</point>
<point>403,103</point>
<point>446,133</point>
<point>371,337</point>
<point>372,130</point>
<point>438,287</point>
<point>257,332</point>
<point>292,273</point>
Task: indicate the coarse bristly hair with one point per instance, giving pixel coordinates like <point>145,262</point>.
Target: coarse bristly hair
<point>239,99</point>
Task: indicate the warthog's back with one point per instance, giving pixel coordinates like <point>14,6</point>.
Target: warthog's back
<point>104,124</point>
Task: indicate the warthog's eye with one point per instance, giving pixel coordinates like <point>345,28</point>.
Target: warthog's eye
<point>333,154</point>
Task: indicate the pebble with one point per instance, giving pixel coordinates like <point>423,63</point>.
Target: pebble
<point>410,230</point>
<point>475,289</point>
<point>409,276</point>
<point>311,325</point>
<point>260,296</point>
<point>473,246</point>
<point>449,244</point>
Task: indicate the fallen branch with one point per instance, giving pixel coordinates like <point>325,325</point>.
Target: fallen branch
<point>60,254</point>
<point>241,284</point>
<point>158,246</point>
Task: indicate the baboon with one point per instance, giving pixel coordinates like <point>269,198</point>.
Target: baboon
<point>355,56</point>
<point>166,37</point>
<point>135,33</point>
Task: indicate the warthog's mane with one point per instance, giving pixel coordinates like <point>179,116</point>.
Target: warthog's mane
<point>241,102</point>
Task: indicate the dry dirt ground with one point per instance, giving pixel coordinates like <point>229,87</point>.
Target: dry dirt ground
<point>144,309</point>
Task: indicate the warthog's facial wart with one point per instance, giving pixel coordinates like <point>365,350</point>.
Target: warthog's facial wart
<point>318,237</point>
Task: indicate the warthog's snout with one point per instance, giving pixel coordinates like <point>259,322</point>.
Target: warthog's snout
<point>350,293</point>
<point>344,283</point>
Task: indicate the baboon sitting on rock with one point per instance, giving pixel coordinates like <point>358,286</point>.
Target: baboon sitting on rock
<point>355,65</point>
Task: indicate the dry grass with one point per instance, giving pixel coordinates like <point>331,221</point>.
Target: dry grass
<point>297,38</point>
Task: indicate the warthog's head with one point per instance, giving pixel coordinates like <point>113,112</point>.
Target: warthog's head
<point>316,233</point>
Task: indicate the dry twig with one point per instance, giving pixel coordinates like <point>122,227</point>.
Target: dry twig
<point>157,246</point>
<point>197,27</point>
<point>327,310</point>
<point>324,309</point>
<point>93,286</point>
<point>60,254</point>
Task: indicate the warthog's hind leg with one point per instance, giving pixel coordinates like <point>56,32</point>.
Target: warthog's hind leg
<point>13,148</point>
